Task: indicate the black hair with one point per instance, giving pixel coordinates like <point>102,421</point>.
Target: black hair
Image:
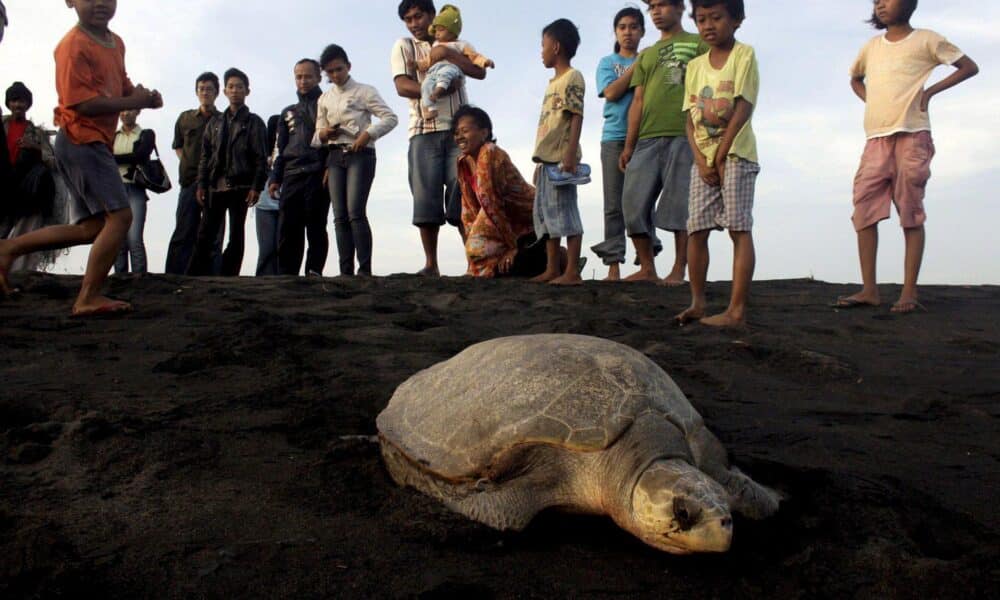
<point>630,11</point>
<point>426,6</point>
<point>234,72</point>
<point>478,115</point>
<point>566,33</point>
<point>735,8</point>
<point>310,61</point>
<point>272,132</point>
<point>209,77</point>
<point>908,8</point>
<point>332,53</point>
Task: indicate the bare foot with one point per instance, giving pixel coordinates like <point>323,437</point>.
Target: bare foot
<point>643,275</point>
<point>100,306</point>
<point>429,272</point>
<point>858,300</point>
<point>905,306</point>
<point>567,279</point>
<point>545,277</point>
<point>669,281</point>
<point>724,320</point>
<point>692,314</point>
<point>5,262</point>
<point>436,93</point>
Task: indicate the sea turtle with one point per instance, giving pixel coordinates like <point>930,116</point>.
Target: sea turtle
<point>515,425</point>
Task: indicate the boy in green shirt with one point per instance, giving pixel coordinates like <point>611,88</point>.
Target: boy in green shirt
<point>657,159</point>
<point>721,90</point>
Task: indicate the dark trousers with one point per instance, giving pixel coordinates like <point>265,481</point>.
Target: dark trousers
<point>219,203</point>
<point>351,176</point>
<point>305,208</point>
<point>267,242</point>
<point>186,233</point>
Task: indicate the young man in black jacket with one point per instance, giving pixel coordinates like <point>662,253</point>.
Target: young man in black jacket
<point>297,180</point>
<point>232,173</point>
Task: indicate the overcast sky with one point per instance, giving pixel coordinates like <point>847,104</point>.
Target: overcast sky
<point>808,123</point>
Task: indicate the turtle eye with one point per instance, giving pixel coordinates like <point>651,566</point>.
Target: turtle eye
<point>685,514</point>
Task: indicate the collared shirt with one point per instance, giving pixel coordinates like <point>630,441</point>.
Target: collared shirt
<point>125,144</point>
<point>405,55</point>
<point>188,132</point>
<point>351,106</point>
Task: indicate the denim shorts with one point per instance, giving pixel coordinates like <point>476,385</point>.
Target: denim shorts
<point>660,168</point>
<point>556,212</point>
<point>92,177</point>
<point>433,163</point>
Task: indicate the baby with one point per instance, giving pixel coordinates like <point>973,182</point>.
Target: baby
<point>441,74</point>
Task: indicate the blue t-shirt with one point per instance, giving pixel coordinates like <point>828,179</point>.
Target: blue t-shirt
<point>609,70</point>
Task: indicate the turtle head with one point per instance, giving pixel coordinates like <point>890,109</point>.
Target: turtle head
<point>679,509</point>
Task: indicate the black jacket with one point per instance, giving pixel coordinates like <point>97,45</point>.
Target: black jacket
<point>235,149</point>
<point>296,127</point>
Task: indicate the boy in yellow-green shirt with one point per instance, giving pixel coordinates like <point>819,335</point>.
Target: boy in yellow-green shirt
<point>720,95</point>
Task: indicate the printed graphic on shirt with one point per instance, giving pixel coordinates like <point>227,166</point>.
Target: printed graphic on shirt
<point>714,112</point>
<point>673,59</point>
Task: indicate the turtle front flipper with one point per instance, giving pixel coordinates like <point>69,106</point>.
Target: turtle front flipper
<point>746,496</point>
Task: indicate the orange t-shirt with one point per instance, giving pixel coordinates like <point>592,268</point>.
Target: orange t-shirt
<point>87,69</point>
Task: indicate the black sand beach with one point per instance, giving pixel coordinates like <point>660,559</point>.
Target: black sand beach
<point>216,443</point>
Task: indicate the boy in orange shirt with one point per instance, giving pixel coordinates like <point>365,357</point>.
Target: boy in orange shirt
<point>93,89</point>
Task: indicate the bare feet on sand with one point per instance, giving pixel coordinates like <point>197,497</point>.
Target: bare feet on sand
<point>643,275</point>
<point>861,299</point>
<point>429,272</point>
<point>100,306</point>
<point>614,273</point>
<point>673,279</point>
<point>546,277</point>
<point>5,262</point>
<point>905,306</point>
<point>724,320</point>
<point>692,314</point>
<point>567,279</point>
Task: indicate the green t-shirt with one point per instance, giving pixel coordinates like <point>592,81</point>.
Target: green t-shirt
<point>712,95</point>
<point>660,71</point>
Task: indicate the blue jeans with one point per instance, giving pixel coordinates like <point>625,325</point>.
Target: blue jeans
<point>134,246</point>
<point>351,177</point>
<point>267,242</point>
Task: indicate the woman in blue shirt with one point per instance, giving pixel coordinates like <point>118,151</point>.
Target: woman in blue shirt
<point>614,78</point>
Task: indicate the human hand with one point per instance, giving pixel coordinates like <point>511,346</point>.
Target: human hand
<point>329,133</point>
<point>423,63</point>
<point>253,197</point>
<point>141,97</point>
<point>200,197</point>
<point>507,262</point>
<point>625,158</point>
<point>925,100</point>
<point>157,100</point>
<point>274,190</point>
<point>709,175</point>
<point>570,161</point>
<point>25,144</point>
<point>361,143</point>
<point>489,64</point>
<point>720,168</point>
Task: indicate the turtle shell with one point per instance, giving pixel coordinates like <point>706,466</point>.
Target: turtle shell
<point>576,392</point>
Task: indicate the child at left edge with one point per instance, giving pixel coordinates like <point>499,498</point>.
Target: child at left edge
<point>93,89</point>
<point>720,96</point>
<point>558,143</point>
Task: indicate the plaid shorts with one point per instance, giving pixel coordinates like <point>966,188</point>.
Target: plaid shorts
<point>727,207</point>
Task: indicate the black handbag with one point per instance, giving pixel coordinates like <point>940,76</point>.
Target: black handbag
<point>152,176</point>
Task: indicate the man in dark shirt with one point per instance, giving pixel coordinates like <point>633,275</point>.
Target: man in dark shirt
<point>187,143</point>
<point>298,178</point>
<point>232,173</point>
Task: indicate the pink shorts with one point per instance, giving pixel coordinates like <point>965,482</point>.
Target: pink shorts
<point>894,170</point>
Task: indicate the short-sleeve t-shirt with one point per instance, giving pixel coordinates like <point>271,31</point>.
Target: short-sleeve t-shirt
<point>403,60</point>
<point>711,98</point>
<point>895,74</point>
<point>563,99</point>
<point>88,69</point>
<point>660,72</point>
<point>609,70</point>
